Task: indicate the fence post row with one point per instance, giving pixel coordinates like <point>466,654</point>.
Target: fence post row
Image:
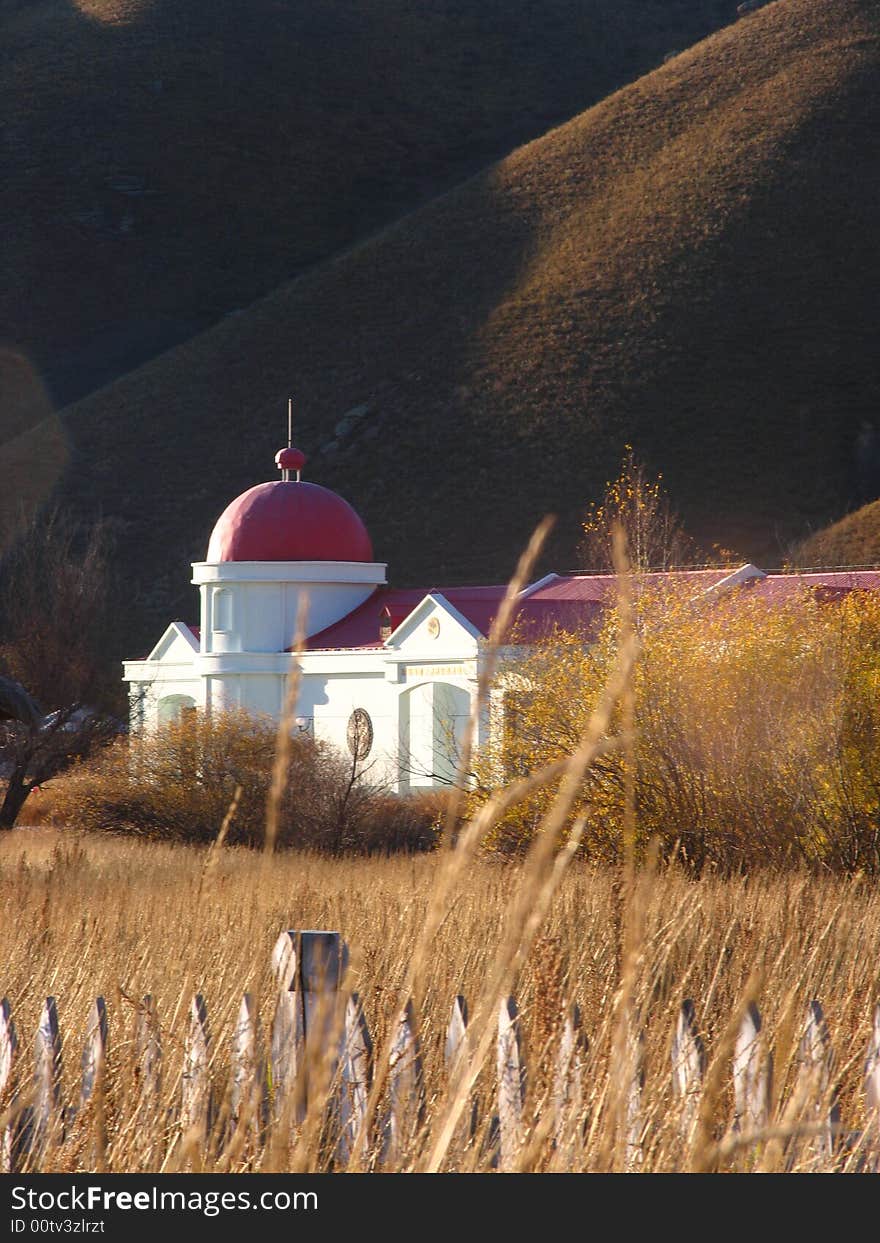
<point>324,1052</point>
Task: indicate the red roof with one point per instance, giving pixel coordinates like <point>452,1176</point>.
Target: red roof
<point>826,586</point>
<point>566,602</point>
<point>360,629</point>
<point>479,605</point>
<point>596,587</point>
<point>289,521</point>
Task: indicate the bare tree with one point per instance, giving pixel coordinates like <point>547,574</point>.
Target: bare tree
<point>655,537</point>
<point>58,693</point>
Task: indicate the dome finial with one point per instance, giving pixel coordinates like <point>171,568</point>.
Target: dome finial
<point>290,459</point>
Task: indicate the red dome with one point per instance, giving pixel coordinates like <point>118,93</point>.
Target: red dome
<point>287,521</point>
<point>290,459</point>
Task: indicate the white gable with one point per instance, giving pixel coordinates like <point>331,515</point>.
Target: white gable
<point>736,578</point>
<point>177,646</point>
<point>435,628</point>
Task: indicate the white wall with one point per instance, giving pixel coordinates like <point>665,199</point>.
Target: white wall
<point>261,600</point>
<point>413,690</point>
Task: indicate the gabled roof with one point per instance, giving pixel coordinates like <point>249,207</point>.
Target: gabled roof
<point>554,601</point>
<point>176,630</point>
<point>826,585</point>
<point>360,629</point>
<point>430,604</point>
<point>576,601</point>
<point>573,601</point>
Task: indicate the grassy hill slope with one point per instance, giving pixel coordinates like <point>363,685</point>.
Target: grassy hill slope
<point>853,540</point>
<point>167,161</point>
<point>691,267</point>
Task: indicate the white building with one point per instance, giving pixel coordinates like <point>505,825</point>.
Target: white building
<point>395,668</point>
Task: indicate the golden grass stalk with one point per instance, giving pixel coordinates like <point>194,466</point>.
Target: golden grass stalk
<point>542,875</point>
<point>456,853</point>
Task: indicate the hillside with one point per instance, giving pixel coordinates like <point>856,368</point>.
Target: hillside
<point>690,266</point>
<point>853,540</point>
<point>168,161</point>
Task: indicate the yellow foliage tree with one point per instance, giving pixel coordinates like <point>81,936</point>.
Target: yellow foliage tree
<point>757,727</point>
<point>638,504</point>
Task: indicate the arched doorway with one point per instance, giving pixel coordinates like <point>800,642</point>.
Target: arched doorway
<point>431,725</point>
<point>172,708</point>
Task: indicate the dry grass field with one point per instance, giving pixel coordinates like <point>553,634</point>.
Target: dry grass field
<point>86,915</point>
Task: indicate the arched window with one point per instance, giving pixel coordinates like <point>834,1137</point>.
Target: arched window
<point>223,609</point>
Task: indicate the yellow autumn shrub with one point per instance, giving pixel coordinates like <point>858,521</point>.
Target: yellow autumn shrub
<point>757,728</point>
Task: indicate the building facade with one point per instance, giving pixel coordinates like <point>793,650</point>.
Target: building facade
<point>388,673</point>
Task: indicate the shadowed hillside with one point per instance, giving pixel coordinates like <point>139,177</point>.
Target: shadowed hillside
<point>690,266</point>
<point>854,540</point>
<point>165,162</point>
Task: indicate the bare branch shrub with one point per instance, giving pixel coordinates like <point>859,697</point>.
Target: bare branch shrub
<point>176,784</point>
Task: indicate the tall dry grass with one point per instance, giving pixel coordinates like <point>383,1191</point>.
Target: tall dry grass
<point>129,919</point>
<point>88,916</point>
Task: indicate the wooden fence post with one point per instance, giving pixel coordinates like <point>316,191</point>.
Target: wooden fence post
<point>752,1074</point>
<point>872,1093</point>
<point>94,1052</point>
<point>47,1119</point>
<point>688,1067</point>
<point>633,1083</point>
<point>356,1077</point>
<point>455,1038</point>
<point>247,1095</point>
<point>93,1066</point>
<point>455,1031</point>
<point>288,1031</point>
<point>406,1087</point>
<point>814,1087</point>
<point>568,1091</point>
<point>322,963</point>
<point>148,1053</point>
<point>195,1102</point>
<point>309,967</point>
<point>12,1132</point>
<point>511,1085</point>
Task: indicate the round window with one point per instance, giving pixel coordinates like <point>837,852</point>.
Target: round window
<point>360,734</point>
